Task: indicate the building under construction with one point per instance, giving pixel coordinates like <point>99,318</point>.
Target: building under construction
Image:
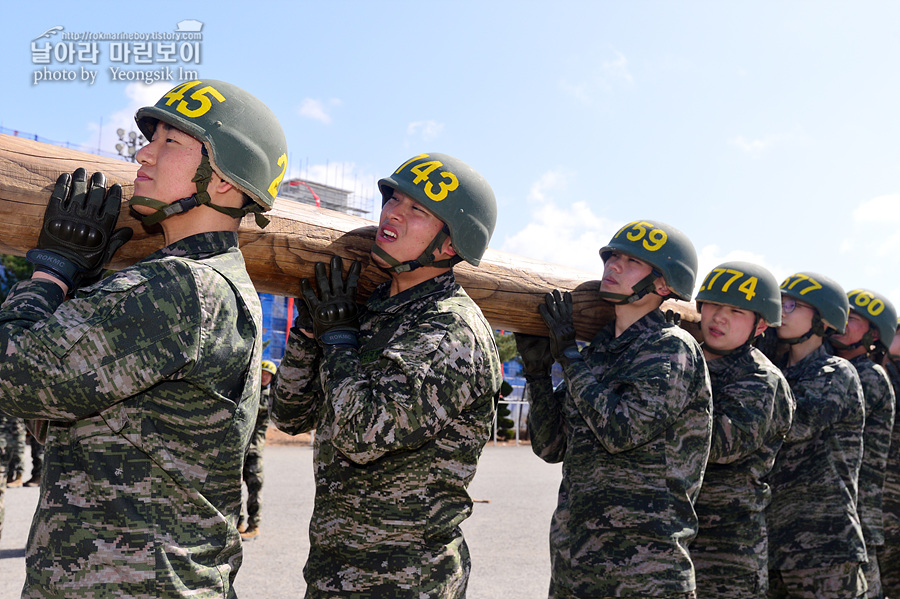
<point>325,196</point>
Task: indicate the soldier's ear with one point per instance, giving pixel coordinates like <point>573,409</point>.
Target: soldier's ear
<point>661,288</point>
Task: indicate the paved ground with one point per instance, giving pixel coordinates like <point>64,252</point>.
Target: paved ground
<point>507,533</point>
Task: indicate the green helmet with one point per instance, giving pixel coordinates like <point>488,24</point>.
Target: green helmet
<point>746,286</point>
<point>823,294</point>
<point>665,248</point>
<point>241,135</point>
<point>878,310</point>
<point>454,192</point>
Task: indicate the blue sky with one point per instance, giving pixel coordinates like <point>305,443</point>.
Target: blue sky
<point>766,131</point>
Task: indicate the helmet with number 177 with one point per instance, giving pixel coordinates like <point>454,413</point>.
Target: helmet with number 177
<point>665,248</point>
<point>823,294</point>
<point>746,286</point>
<point>878,310</point>
<point>242,141</point>
<point>455,193</point>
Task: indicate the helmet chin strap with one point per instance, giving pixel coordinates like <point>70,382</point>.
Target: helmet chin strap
<point>740,348</point>
<point>202,177</point>
<point>866,341</point>
<point>640,289</point>
<point>425,259</point>
<point>818,328</point>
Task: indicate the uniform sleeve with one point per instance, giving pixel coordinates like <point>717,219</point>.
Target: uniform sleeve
<point>825,400</point>
<point>296,395</point>
<point>64,361</point>
<point>743,418</point>
<point>643,401</point>
<point>425,379</point>
<point>546,423</point>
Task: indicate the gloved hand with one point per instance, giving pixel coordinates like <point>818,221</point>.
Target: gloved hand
<point>557,313</point>
<point>79,235</point>
<point>335,315</point>
<point>673,317</point>
<point>536,357</point>
<point>304,320</point>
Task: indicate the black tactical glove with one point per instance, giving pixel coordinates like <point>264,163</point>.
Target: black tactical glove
<point>557,313</point>
<point>304,320</point>
<point>673,317</point>
<point>79,235</point>
<point>335,316</point>
<point>536,357</point>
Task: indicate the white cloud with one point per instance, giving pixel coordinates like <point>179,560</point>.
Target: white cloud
<point>104,134</point>
<point>316,110</point>
<point>427,130</point>
<point>600,78</point>
<point>570,235</point>
<point>758,146</point>
<point>882,209</point>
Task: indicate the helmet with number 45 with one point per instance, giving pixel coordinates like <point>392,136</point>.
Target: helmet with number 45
<point>662,246</point>
<point>746,286</point>
<point>242,140</point>
<point>878,310</point>
<point>455,193</point>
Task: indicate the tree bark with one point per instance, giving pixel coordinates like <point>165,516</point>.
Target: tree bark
<point>508,288</point>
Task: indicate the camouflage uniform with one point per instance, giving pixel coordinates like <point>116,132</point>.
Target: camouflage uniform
<point>889,554</point>
<point>253,465</point>
<point>632,425</point>
<point>16,464</point>
<point>880,400</point>
<point>152,380</point>
<point>399,430</point>
<point>752,411</point>
<point>8,428</point>
<point>813,520</point>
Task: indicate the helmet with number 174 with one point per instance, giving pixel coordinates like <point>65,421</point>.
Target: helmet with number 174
<point>457,195</point>
<point>745,286</point>
<point>242,141</point>
<point>662,246</point>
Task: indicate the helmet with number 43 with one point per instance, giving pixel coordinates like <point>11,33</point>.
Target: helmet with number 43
<point>823,294</point>
<point>878,310</point>
<point>242,141</point>
<point>665,248</point>
<point>455,193</point>
<point>746,286</point>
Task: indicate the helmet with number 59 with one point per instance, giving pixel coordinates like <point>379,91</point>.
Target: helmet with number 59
<point>746,286</point>
<point>662,246</point>
<point>455,193</point>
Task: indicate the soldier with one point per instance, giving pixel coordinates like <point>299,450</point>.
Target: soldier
<point>16,465</point>
<point>872,319</point>
<point>631,423</point>
<point>752,410</point>
<point>401,393</point>
<point>816,546</point>
<point>150,376</point>
<point>253,464</point>
<point>7,443</point>
<point>889,558</point>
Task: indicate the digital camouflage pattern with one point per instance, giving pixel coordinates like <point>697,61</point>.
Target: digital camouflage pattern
<point>253,465</point>
<point>400,426</point>
<point>889,555</point>
<point>632,425</point>
<point>152,380</point>
<point>752,412</point>
<point>813,519</point>
<point>8,432</point>
<point>879,397</point>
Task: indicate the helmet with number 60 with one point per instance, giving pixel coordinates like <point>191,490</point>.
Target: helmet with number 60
<point>878,310</point>
<point>665,248</point>
<point>823,294</point>
<point>454,192</point>
<point>242,136</point>
<point>746,286</point>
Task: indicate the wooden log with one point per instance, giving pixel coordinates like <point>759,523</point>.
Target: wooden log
<point>508,288</point>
